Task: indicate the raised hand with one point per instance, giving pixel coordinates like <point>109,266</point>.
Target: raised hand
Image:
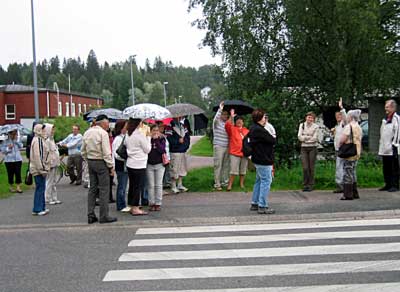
<point>340,103</point>
<point>221,105</point>
<point>233,113</point>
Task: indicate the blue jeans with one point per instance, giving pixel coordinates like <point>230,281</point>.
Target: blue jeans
<point>262,185</point>
<point>122,177</point>
<point>39,204</point>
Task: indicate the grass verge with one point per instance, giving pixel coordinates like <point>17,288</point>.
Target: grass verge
<point>4,188</point>
<point>202,148</point>
<point>369,176</point>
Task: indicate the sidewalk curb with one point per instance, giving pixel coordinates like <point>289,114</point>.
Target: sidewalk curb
<point>194,221</point>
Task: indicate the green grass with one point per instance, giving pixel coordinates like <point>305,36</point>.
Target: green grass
<point>369,176</point>
<point>4,188</point>
<point>202,148</point>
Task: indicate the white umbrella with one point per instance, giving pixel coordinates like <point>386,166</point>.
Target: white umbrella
<point>147,111</point>
<point>184,109</point>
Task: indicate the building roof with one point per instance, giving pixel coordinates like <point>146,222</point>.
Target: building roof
<point>12,88</point>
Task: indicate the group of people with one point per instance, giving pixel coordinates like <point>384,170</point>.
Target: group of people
<point>229,136</point>
<point>346,131</point>
<point>144,157</point>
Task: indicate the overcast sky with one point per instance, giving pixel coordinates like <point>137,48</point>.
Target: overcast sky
<point>114,29</point>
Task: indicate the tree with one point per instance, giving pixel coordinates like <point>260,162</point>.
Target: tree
<point>92,67</point>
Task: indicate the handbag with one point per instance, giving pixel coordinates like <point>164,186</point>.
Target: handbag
<point>121,151</point>
<point>28,177</point>
<point>348,150</point>
<point>165,160</point>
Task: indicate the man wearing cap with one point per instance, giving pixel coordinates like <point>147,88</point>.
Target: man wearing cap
<point>96,151</point>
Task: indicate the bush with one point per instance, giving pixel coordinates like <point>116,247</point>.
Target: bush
<point>64,126</point>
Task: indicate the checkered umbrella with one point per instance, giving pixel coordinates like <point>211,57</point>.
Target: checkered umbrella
<point>147,111</point>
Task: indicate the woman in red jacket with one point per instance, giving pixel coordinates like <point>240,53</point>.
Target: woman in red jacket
<point>238,163</point>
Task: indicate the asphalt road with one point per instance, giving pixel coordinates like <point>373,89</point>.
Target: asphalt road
<point>356,255</point>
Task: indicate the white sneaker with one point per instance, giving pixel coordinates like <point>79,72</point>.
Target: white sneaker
<point>43,213</point>
<point>52,203</point>
<point>126,210</point>
<point>182,189</point>
<point>174,190</point>
<point>58,202</point>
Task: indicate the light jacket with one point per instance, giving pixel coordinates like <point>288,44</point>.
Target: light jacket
<point>389,135</point>
<point>74,143</point>
<point>339,129</point>
<point>236,136</point>
<point>308,135</point>
<point>39,158</point>
<point>12,154</point>
<point>138,147</point>
<point>54,156</point>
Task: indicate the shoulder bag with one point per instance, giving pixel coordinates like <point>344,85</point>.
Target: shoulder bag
<point>28,176</point>
<point>348,150</point>
<point>121,151</point>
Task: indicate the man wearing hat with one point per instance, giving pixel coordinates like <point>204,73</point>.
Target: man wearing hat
<point>96,151</point>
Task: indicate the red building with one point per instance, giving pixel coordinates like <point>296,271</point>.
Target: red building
<point>17,104</point>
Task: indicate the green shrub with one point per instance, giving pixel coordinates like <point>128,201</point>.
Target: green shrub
<point>64,126</point>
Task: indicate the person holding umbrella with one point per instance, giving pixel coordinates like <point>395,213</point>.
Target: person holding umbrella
<point>13,160</point>
<point>238,163</point>
<point>179,142</point>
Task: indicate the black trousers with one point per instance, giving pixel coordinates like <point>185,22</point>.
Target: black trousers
<point>391,170</point>
<point>136,183</point>
<point>14,169</point>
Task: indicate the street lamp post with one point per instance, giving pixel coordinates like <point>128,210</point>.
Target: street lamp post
<point>133,89</point>
<point>35,89</point>
<point>165,94</point>
<point>179,98</point>
<point>55,86</point>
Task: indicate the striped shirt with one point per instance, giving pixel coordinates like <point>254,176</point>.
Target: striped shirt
<point>219,132</point>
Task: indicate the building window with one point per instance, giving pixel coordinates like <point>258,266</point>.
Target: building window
<point>73,109</point>
<point>84,108</point>
<point>67,109</point>
<point>79,109</point>
<point>10,111</point>
<point>60,108</point>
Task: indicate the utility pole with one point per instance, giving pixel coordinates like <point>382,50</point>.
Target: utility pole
<point>35,89</point>
<point>133,89</point>
<point>165,94</point>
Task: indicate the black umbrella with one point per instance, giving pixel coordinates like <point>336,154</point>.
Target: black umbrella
<point>200,122</point>
<point>241,107</point>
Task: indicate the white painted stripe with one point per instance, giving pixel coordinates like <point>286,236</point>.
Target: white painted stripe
<point>264,238</point>
<point>381,287</point>
<point>271,226</point>
<point>251,271</point>
<point>261,252</point>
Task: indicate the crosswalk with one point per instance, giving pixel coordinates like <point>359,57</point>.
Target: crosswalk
<point>358,255</point>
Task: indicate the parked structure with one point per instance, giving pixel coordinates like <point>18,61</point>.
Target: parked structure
<point>16,104</point>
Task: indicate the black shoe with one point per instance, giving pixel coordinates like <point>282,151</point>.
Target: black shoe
<point>78,183</point>
<point>346,198</point>
<point>393,189</point>
<point>254,207</point>
<point>92,219</point>
<point>108,220</point>
<point>306,189</point>
<point>385,188</point>
<point>73,179</point>
<point>97,203</point>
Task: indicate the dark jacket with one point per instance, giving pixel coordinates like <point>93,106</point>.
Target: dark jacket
<point>173,139</point>
<point>157,150</point>
<point>262,145</point>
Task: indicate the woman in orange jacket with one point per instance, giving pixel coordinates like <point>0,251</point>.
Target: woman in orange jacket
<point>238,163</point>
